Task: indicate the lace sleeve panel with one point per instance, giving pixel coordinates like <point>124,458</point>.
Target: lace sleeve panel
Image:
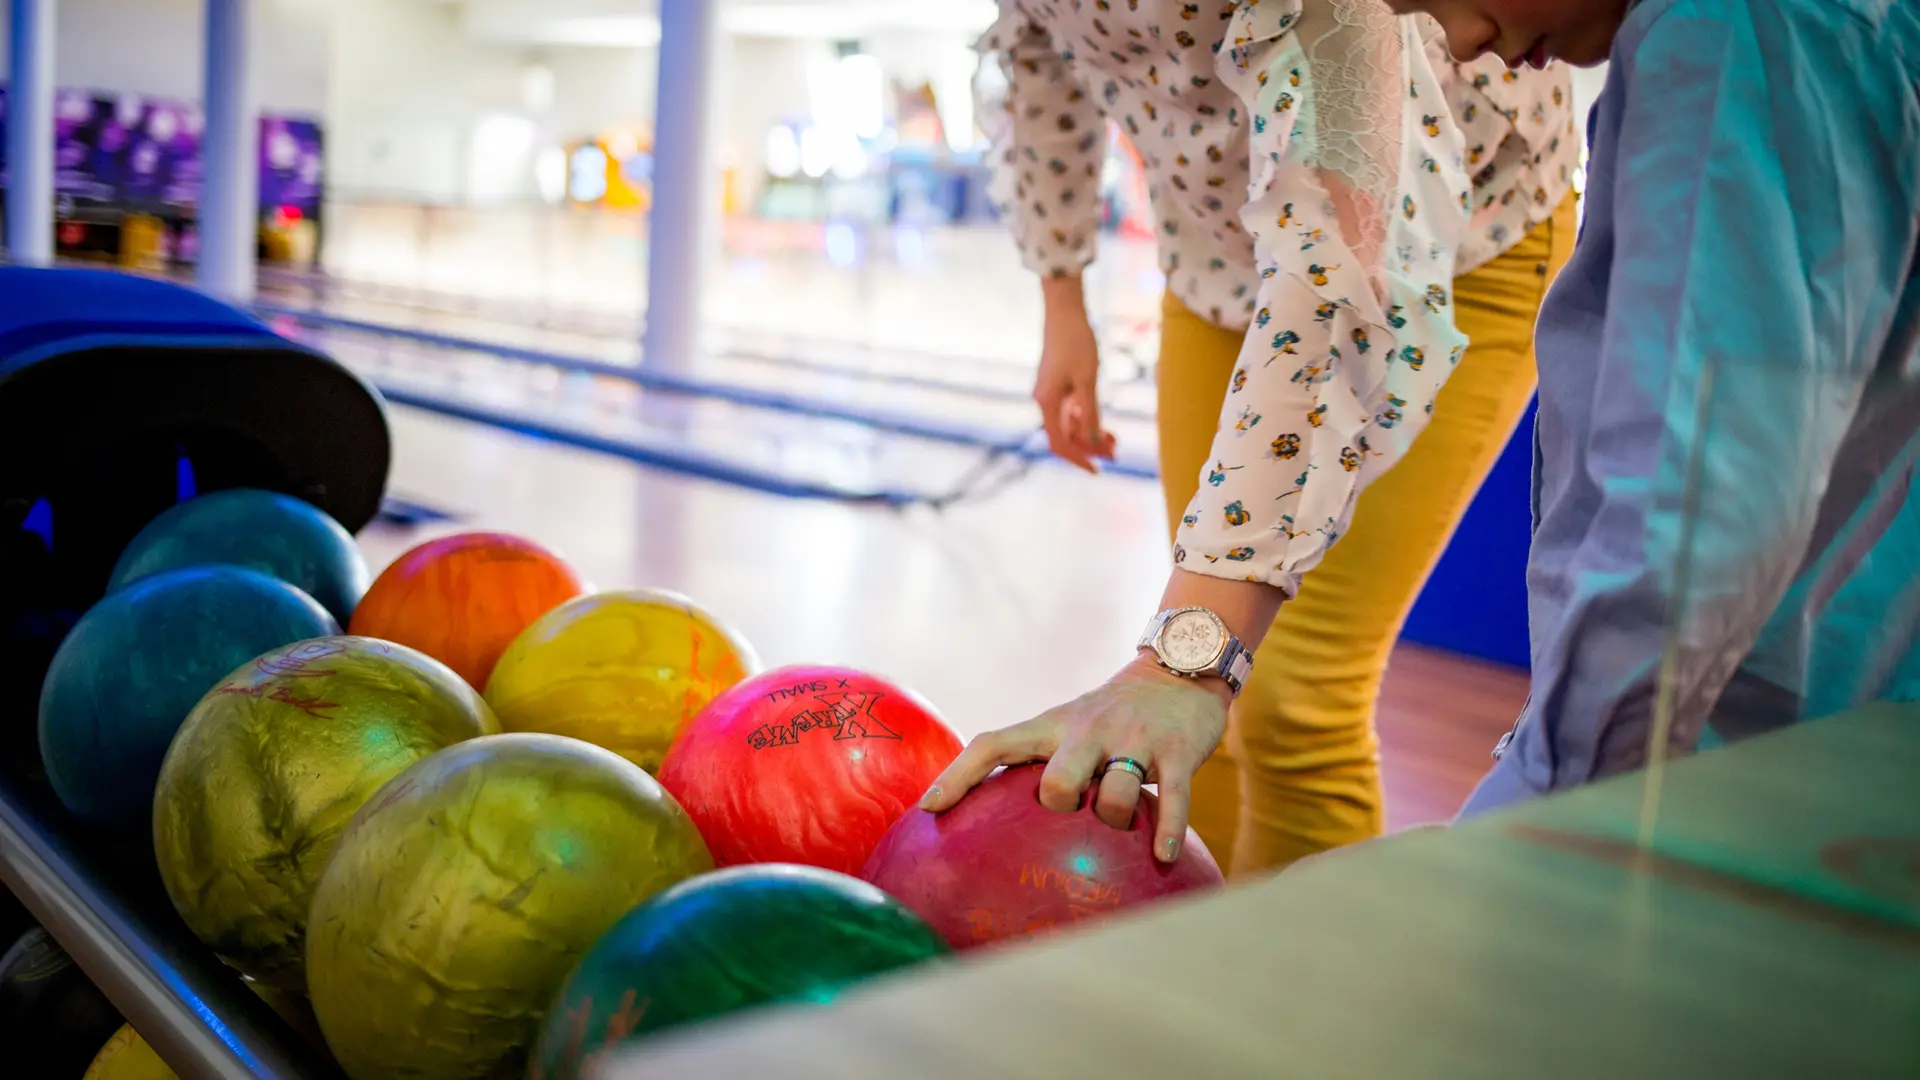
<point>1355,203</point>
<point>1355,56</point>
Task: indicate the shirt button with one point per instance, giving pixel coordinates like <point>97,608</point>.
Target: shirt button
<point>1500,747</point>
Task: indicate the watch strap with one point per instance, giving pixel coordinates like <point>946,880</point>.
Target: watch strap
<point>1236,663</point>
<point>1153,628</point>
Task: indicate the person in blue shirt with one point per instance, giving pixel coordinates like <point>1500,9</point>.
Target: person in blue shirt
<point>1730,391</point>
<point>1729,408</point>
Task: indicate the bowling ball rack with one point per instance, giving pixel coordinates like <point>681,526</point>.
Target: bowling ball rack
<point>116,923</point>
<point>120,397</point>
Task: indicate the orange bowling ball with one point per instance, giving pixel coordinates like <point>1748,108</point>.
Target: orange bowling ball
<point>462,599</point>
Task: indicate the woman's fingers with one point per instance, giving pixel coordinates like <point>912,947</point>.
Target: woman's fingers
<point>1083,406</point>
<point>1176,785</point>
<point>1070,770</point>
<point>1073,428</point>
<point>1052,400</point>
<point>1083,416</point>
<point>1033,740</point>
<point>1061,440</point>
<point>1118,796</point>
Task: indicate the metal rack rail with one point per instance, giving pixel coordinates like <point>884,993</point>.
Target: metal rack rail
<point>194,1011</point>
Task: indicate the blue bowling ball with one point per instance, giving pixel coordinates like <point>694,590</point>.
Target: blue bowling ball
<point>135,665</point>
<point>276,534</point>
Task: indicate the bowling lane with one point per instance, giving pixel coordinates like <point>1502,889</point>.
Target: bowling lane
<point>583,326</point>
<point>909,291</point>
<point>786,446</point>
<point>994,609</point>
<point>987,391</point>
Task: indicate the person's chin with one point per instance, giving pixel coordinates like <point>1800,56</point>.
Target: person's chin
<point>1584,54</point>
<point>1590,45</point>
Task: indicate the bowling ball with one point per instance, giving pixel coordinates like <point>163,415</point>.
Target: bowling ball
<point>276,534</point>
<point>39,603</point>
<point>806,765</point>
<point>52,1018</point>
<point>291,1006</point>
<point>623,670</point>
<point>268,769</point>
<point>128,1057</point>
<point>468,887</point>
<point>999,865</point>
<point>462,599</point>
<point>133,667</point>
<point>724,941</point>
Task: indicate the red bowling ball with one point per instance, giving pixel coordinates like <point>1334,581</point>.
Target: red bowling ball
<point>806,765</point>
<point>1000,866</point>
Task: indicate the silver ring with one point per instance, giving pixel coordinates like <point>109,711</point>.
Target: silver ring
<point>1125,764</point>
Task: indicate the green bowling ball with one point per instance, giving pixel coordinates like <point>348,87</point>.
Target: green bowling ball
<point>465,890</point>
<point>741,937</point>
<point>270,766</point>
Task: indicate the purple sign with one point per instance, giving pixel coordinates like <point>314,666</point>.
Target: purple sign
<point>163,154</point>
<point>144,153</point>
<point>290,165</point>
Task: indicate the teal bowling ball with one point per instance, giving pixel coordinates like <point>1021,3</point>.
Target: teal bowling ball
<point>724,941</point>
<point>135,665</point>
<point>276,534</point>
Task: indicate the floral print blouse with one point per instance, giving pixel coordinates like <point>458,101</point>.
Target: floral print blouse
<point>1311,186</point>
<point>1522,144</point>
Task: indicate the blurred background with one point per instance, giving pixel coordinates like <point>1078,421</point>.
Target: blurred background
<point>503,150</point>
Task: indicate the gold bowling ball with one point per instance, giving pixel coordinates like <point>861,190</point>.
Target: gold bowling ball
<point>465,891</point>
<point>128,1057</point>
<point>269,768</point>
<point>623,670</point>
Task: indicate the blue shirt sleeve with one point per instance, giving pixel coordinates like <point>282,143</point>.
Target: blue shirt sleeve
<point>1757,237</point>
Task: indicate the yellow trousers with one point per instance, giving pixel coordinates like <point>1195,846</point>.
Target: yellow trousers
<point>1299,772</point>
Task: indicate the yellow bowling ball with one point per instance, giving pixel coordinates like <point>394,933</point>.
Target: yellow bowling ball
<point>466,890</point>
<point>128,1057</point>
<point>268,769</point>
<point>623,670</point>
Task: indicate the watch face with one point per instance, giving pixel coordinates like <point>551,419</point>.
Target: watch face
<point>1192,641</point>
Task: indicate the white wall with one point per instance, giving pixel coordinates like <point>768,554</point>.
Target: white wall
<point>598,88</point>
<point>401,101</point>
<point>411,89</point>
<point>154,47</point>
<point>777,90</point>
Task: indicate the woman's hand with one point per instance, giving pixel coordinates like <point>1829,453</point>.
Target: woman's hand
<point>1067,388</point>
<point>1166,723</point>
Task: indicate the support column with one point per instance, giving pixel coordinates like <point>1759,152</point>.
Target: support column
<point>683,179</point>
<point>229,200</point>
<point>30,133</point>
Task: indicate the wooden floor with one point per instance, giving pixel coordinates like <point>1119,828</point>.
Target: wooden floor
<point>993,610</point>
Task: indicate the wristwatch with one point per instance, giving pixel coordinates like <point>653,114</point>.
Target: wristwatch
<point>1194,643</point>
